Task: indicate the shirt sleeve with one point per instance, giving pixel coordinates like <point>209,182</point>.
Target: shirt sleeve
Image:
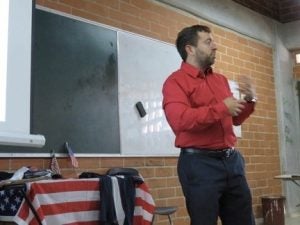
<point>182,116</point>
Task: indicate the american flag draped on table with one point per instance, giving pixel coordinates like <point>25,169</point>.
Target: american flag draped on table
<point>76,202</point>
<point>10,201</point>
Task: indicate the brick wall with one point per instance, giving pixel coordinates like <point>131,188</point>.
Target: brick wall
<point>237,55</point>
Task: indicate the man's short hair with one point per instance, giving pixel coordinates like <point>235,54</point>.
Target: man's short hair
<point>189,36</point>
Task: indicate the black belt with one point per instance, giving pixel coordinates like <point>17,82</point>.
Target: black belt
<point>219,153</point>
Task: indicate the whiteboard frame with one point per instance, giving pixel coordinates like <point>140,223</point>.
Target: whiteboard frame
<point>151,134</point>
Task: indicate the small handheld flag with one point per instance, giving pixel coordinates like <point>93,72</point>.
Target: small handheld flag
<point>73,159</point>
<point>54,167</point>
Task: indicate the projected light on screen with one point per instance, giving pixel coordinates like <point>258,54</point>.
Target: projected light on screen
<point>4,13</point>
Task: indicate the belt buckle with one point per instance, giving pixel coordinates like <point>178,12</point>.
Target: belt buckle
<point>228,152</point>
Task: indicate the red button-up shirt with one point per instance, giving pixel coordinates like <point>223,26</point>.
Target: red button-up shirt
<point>194,108</point>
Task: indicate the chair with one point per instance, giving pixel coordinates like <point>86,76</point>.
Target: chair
<point>122,171</point>
<point>163,211</point>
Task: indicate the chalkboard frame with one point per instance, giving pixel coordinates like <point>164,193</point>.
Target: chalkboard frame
<point>14,151</point>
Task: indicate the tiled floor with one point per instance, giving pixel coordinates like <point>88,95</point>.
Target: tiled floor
<point>292,220</point>
<point>295,220</point>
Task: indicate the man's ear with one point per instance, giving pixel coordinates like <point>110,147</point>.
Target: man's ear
<point>190,50</point>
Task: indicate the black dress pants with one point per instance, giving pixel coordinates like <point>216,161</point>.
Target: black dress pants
<point>215,186</point>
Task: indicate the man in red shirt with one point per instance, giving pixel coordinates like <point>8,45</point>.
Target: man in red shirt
<point>201,111</point>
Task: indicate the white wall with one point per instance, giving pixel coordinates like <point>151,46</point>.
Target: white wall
<point>288,121</point>
<point>290,33</point>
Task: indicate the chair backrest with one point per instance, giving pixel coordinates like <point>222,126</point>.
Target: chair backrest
<point>122,171</point>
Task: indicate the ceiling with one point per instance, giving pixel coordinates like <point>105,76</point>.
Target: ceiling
<point>283,11</point>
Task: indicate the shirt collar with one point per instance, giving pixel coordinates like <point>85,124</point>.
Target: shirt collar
<point>195,72</point>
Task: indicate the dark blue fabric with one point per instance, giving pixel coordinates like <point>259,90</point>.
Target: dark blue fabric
<point>107,206</point>
<point>215,187</point>
<point>127,192</point>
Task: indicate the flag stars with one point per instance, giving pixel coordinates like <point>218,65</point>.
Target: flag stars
<point>10,201</point>
<point>6,200</point>
<point>17,199</point>
<point>13,208</point>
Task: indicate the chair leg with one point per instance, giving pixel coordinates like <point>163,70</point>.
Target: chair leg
<point>169,217</point>
<point>170,220</point>
<point>152,222</point>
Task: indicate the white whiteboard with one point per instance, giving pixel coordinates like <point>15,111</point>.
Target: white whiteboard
<point>143,66</point>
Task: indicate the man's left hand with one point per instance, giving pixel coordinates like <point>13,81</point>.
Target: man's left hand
<point>246,88</point>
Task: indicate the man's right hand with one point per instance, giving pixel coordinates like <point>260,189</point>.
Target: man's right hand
<point>234,106</point>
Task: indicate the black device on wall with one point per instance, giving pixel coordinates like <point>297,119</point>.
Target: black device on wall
<point>140,108</point>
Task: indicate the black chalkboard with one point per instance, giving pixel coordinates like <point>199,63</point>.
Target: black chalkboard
<point>74,86</point>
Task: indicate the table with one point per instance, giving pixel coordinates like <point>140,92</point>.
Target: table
<point>295,178</point>
<point>75,202</point>
<point>291,177</point>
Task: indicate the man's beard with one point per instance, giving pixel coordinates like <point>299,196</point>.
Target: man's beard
<point>207,62</point>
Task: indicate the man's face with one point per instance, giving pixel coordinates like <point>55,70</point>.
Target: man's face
<point>205,51</point>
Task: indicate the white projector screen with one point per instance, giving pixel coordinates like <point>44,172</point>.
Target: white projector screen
<point>15,73</point>
<point>4,14</point>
